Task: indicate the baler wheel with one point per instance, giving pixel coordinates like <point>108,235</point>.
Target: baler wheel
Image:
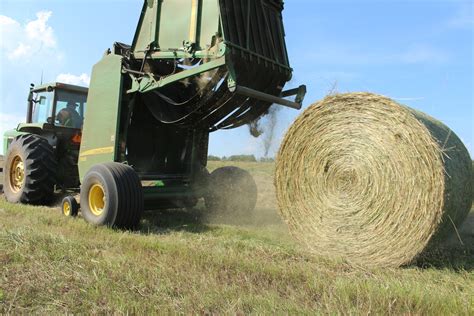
<point>111,195</point>
<point>231,192</point>
<point>30,170</point>
<point>69,207</point>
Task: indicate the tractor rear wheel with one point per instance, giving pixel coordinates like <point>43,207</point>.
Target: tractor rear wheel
<point>111,195</point>
<point>30,170</point>
<point>231,192</point>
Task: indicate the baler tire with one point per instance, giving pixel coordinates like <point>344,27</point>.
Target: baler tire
<point>112,195</point>
<point>231,192</point>
<point>70,207</point>
<point>35,166</point>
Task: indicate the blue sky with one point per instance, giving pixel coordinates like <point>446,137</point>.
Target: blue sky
<point>418,52</point>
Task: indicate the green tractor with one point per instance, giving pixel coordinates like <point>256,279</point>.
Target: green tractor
<point>194,67</point>
<point>42,154</point>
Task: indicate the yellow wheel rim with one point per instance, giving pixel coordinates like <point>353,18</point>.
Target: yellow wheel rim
<point>97,199</point>
<point>17,174</point>
<point>67,208</point>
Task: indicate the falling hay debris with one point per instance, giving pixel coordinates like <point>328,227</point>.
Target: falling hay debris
<point>361,177</point>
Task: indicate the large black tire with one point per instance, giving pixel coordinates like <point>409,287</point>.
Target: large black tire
<point>231,192</point>
<point>35,183</point>
<point>120,190</point>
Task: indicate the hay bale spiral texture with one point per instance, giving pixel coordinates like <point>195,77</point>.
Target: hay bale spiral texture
<point>364,178</point>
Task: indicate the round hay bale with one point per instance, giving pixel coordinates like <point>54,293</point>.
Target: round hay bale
<point>364,178</point>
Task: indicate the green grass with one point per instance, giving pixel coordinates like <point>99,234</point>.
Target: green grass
<point>178,263</point>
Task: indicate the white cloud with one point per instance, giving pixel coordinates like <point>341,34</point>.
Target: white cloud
<point>39,30</point>
<point>21,51</point>
<point>463,19</point>
<point>7,22</point>
<point>31,40</point>
<point>82,80</point>
<point>10,31</point>
<point>27,49</point>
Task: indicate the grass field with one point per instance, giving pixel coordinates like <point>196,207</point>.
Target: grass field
<point>179,262</point>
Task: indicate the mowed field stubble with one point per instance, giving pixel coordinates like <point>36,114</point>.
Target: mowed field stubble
<point>184,261</point>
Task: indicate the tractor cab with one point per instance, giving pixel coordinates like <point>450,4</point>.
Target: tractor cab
<point>54,111</point>
<point>57,104</point>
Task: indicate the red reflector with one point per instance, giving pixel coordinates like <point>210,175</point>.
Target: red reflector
<point>76,139</point>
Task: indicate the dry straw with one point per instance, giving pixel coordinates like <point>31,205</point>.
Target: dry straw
<point>361,177</point>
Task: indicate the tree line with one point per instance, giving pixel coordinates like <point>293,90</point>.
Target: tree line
<point>241,158</point>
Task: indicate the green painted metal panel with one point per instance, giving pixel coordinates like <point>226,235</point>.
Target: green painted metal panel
<point>210,22</point>
<point>23,126</point>
<point>8,138</point>
<point>99,138</point>
<point>147,28</point>
<point>174,23</point>
<point>63,86</point>
<point>168,24</point>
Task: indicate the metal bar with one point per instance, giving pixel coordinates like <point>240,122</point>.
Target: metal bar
<point>230,21</point>
<point>301,90</point>
<point>247,29</point>
<point>260,27</point>
<point>239,19</point>
<point>140,73</point>
<point>29,113</point>
<point>251,93</point>
<point>156,177</point>
<point>178,54</point>
<point>148,84</point>
<point>289,93</point>
<point>156,36</point>
<point>300,93</point>
<point>255,32</point>
<point>199,24</point>
<point>155,193</point>
<point>258,55</point>
<point>194,24</point>
<point>281,33</point>
<point>270,39</point>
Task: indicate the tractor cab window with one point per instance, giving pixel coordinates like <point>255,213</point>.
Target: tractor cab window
<point>70,107</point>
<point>42,107</point>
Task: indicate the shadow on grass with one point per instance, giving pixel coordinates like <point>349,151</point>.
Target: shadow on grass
<point>174,220</point>
<point>198,220</point>
<point>455,254</point>
<point>459,258</point>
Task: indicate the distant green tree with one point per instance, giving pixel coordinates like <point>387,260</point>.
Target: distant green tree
<point>266,159</point>
<point>213,158</point>
<point>245,158</point>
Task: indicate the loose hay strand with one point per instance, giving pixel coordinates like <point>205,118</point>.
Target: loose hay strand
<point>362,177</point>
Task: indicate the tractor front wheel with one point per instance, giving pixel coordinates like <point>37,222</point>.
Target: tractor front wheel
<point>111,195</point>
<point>69,207</point>
<point>30,170</point>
